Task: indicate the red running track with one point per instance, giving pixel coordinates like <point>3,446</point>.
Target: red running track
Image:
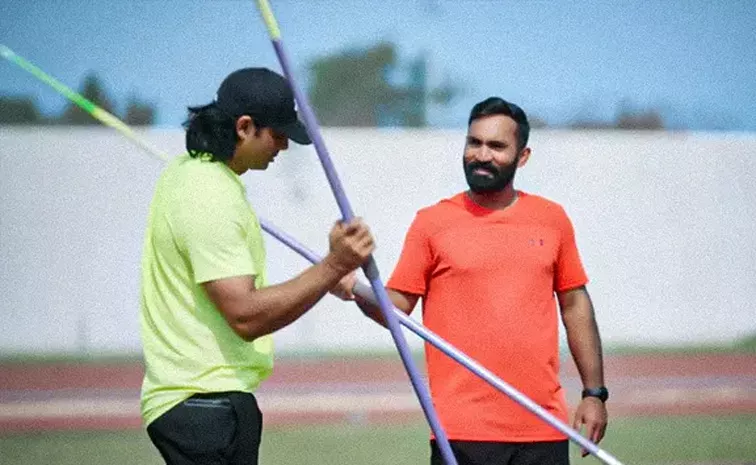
<point>44,396</point>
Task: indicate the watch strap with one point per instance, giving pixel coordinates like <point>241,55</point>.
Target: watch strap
<point>602,393</point>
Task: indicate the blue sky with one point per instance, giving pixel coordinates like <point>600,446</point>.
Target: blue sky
<point>695,60</point>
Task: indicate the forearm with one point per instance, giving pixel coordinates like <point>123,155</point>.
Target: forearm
<point>371,309</point>
<point>585,346</point>
<point>584,342</point>
<point>274,307</point>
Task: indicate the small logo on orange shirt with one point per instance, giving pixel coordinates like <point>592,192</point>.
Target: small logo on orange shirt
<point>534,242</point>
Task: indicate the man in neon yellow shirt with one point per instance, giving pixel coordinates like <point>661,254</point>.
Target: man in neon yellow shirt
<point>206,310</point>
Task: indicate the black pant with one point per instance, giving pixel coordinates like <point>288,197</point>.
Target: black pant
<point>210,429</point>
<point>505,453</point>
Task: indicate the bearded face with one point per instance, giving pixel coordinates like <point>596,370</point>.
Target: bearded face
<point>491,153</point>
<point>485,176</point>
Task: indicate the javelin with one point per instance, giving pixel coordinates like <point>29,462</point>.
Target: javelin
<point>361,289</point>
<point>435,340</point>
<point>98,113</point>
<point>370,267</point>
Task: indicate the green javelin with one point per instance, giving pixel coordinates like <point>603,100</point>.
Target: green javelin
<point>83,103</point>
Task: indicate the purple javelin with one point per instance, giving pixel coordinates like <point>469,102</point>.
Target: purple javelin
<point>432,338</point>
<point>370,268</point>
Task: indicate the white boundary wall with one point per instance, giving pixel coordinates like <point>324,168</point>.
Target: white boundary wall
<point>665,223</point>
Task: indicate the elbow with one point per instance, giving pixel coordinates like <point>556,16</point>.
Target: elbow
<point>247,330</point>
<point>248,336</point>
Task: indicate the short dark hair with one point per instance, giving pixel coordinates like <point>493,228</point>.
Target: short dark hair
<point>499,106</point>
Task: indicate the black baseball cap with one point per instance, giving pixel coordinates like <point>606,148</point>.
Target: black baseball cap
<point>265,96</point>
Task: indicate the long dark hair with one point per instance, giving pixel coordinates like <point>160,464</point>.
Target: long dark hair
<point>210,132</point>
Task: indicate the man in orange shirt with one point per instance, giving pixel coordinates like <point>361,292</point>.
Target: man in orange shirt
<point>488,264</point>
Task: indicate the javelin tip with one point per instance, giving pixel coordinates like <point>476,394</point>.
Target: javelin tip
<point>5,51</point>
<point>270,20</point>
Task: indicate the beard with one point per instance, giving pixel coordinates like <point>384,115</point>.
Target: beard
<point>483,183</point>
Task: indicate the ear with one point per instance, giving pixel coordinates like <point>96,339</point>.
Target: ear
<point>245,127</point>
<point>524,157</point>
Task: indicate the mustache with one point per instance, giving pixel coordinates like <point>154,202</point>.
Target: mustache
<point>485,165</point>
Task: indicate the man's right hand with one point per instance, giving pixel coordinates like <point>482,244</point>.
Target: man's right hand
<point>350,245</point>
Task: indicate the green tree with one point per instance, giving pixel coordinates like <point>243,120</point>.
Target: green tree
<point>93,90</point>
<point>634,117</point>
<point>628,117</point>
<point>537,122</point>
<point>355,88</point>
<point>139,113</point>
<point>641,120</point>
<point>18,110</point>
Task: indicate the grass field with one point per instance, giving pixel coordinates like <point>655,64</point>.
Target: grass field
<point>642,441</point>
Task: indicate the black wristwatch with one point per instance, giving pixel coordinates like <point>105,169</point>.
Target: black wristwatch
<point>601,393</point>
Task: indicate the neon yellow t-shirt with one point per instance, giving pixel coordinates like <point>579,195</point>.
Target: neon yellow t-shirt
<point>200,228</point>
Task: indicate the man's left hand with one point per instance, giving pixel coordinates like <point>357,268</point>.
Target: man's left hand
<point>592,413</point>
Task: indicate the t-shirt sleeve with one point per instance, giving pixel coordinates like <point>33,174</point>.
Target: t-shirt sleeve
<point>414,266</point>
<point>214,239</point>
<point>569,268</point>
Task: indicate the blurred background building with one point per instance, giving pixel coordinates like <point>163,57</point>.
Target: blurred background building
<point>644,121</point>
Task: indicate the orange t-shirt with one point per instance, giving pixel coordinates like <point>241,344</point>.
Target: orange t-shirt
<point>487,279</point>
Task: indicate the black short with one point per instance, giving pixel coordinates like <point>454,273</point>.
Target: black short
<point>220,429</point>
<point>505,453</point>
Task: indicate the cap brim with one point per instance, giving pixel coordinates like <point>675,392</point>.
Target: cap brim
<point>295,131</point>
